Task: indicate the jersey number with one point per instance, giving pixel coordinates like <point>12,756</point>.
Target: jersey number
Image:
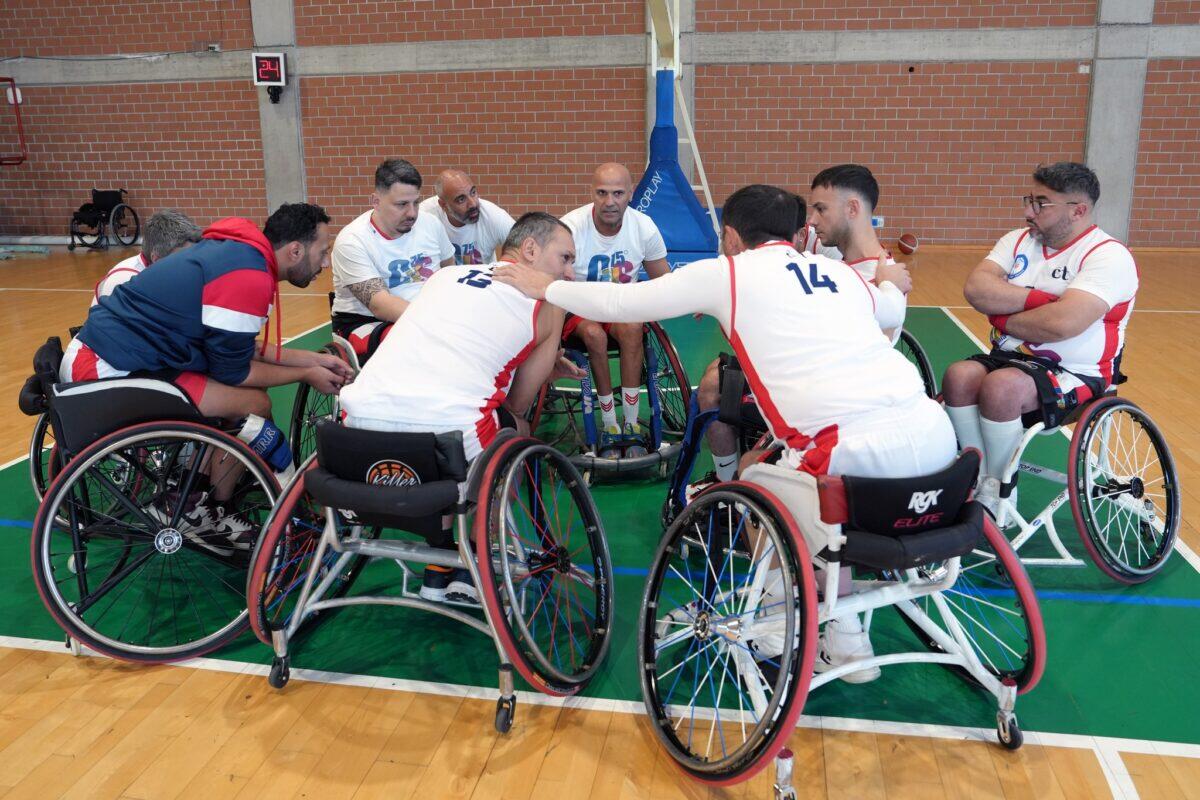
<point>477,278</point>
<point>815,280</point>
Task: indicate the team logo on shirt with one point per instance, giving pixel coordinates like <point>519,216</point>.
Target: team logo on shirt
<point>407,270</point>
<point>390,472</point>
<point>467,254</point>
<point>615,268</point>
<point>1020,264</point>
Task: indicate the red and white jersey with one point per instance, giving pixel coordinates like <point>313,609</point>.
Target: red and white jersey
<point>812,244</point>
<point>1093,262</point>
<point>618,258</point>
<point>805,329</point>
<point>449,361</point>
<point>123,271</point>
<point>362,252</point>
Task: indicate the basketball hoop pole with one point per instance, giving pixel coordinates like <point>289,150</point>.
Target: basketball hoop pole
<point>8,161</point>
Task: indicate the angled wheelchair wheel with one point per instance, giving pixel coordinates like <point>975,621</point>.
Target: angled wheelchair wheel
<point>284,555</point>
<point>915,353</point>
<point>1124,490</point>
<point>130,555</point>
<point>674,391</point>
<point>86,235</point>
<point>726,641</point>
<point>43,456</point>
<point>308,407</point>
<point>544,567</point>
<point>124,225</point>
<point>994,603</point>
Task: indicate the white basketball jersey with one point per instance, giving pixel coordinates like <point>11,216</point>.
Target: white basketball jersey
<point>1095,263</point>
<point>450,359</point>
<point>812,244</point>
<point>122,272</point>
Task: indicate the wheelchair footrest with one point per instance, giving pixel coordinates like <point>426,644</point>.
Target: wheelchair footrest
<point>911,550</point>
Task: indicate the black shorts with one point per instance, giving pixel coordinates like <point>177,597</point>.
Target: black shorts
<point>1060,392</point>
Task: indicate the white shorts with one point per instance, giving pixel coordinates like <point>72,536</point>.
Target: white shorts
<point>917,439</point>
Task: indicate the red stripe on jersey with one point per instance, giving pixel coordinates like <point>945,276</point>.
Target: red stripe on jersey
<point>109,274</point>
<point>816,459</point>
<point>1020,239</point>
<point>247,291</point>
<point>486,427</point>
<point>1047,254</point>
<point>1112,334</point>
<point>145,261</point>
<point>83,368</point>
<point>379,230</point>
<point>778,426</point>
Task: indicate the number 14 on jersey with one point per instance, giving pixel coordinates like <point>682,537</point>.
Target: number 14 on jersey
<point>814,279</point>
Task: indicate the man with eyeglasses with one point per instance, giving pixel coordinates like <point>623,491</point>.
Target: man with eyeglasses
<point>1059,293</point>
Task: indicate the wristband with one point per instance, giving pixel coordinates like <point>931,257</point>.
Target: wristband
<point>1038,298</point>
<point>999,321</point>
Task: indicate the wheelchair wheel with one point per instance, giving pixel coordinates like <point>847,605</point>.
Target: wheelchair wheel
<point>87,235</point>
<point>994,603</point>
<point>674,391</point>
<point>308,407</point>
<point>283,555</point>
<point>912,350</point>
<point>124,225</point>
<point>720,708</point>
<point>140,571</point>
<point>544,568</point>
<point>43,456</point>
<point>1124,490</point>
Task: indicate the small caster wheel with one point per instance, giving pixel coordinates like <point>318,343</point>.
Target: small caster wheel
<point>505,709</point>
<point>71,248</point>
<point>1009,733</point>
<point>280,673</point>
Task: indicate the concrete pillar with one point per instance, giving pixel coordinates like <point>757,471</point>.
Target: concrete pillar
<point>282,133</point>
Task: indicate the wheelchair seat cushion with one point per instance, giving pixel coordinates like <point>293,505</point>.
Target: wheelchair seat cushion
<point>912,550</point>
<point>900,506</point>
<point>84,412</point>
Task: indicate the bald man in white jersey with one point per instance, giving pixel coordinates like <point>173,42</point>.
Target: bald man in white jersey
<point>468,354</point>
<point>476,227</point>
<point>806,330</point>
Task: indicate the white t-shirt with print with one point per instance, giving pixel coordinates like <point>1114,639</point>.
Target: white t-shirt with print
<point>476,242</point>
<point>361,252</point>
<point>619,258</point>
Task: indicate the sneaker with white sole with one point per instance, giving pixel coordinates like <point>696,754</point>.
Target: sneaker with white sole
<point>633,432</point>
<point>838,647</point>
<point>448,586</point>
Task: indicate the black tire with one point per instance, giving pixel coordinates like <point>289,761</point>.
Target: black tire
<point>280,673</point>
<point>674,390</point>
<point>124,225</point>
<point>149,586</point>
<point>912,350</point>
<point>1010,735</point>
<point>308,407</point>
<point>687,602</point>
<point>1120,470</point>
<point>43,453</point>
<point>86,235</point>
<point>506,709</point>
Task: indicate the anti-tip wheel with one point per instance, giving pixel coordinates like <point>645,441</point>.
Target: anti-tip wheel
<point>1008,732</point>
<point>280,673</point>
<point>506,708</point>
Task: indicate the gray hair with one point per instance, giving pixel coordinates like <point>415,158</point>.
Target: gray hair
<point>537,225</point>
<point>166,231</point>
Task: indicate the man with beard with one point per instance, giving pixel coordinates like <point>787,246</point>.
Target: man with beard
<point>476,227</point>
<point>382,258</point>
<point>1059,293</point>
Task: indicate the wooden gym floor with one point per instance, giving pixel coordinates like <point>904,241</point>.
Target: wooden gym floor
<point>93,728</point>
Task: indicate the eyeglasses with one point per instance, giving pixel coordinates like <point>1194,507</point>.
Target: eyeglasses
<point>1029,201</point>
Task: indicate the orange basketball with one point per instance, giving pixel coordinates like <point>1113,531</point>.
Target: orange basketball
<point>907,244</point>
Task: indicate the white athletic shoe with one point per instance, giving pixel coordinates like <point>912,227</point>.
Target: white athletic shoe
<point>838,647</point>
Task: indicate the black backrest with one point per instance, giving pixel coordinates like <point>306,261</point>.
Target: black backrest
<point>36,391</point>
<point>106,200</point>
<point>898,506</point>
<point>83,412</point>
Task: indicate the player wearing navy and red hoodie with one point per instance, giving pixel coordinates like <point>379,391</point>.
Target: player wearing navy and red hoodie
<point>193,317</point>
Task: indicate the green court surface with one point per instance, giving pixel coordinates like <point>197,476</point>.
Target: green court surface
<point>1121,660</point>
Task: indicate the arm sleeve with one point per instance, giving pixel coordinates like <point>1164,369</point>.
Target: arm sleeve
<point>351,264</point>
<point>890,304</point>
<point>1002,253</point>
<point>701,287</point>
<point>1109,273</point>
<point>234,308</point>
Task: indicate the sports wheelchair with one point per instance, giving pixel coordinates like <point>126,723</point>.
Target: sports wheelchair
<point>527,530</point>
<point>564,414</point>
<point>1120,482</point>
<point>127,553</point>
<point>920,545</point>
<point>106,215</point>
<point>738,410</point>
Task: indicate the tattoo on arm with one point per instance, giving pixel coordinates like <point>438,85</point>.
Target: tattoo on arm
<point>364,291</point>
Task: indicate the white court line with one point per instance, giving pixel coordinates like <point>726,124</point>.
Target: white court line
<point>1107,749</point>
<point>1181,547</point>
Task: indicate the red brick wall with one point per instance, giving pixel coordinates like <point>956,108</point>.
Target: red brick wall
<point>1166,194</point>
<point>1177,12</point>
<point>530,140</point>
<point>951,160</point>
<point>73,28</point>
<point>195,146</point>
<point>828,15</point>
<point>330,22</point>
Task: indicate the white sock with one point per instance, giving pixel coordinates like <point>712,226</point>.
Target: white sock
<point>631,403</point>
<point>1000,440</point>
<point>725,466</point>
<point>608,411</point>
<point>965,420</point>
